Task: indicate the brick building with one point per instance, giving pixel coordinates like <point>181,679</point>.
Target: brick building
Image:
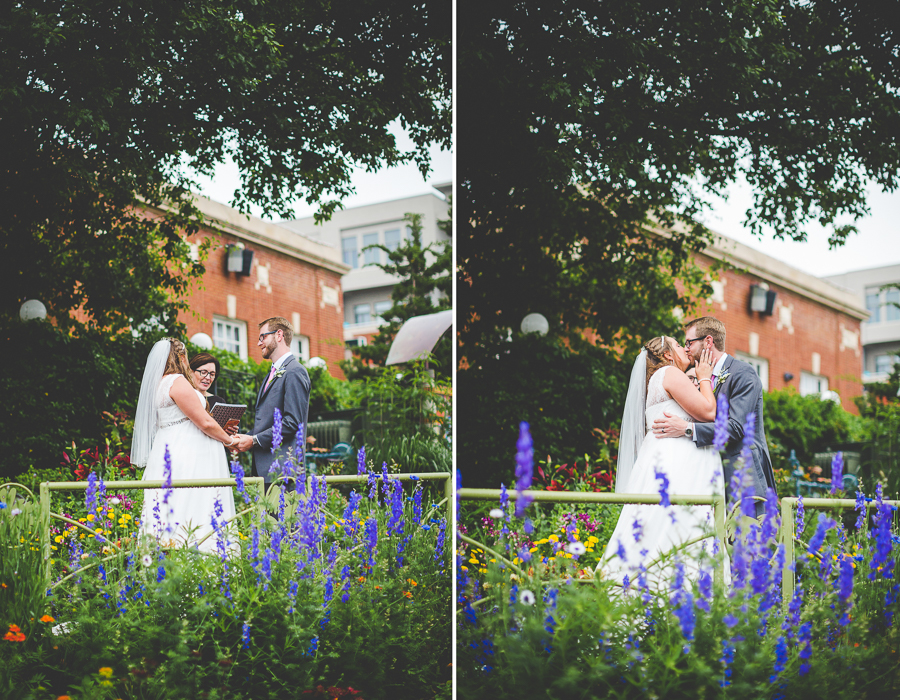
<point>275,273</point>
<point>795,329</point>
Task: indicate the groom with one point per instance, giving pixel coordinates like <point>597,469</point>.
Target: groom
<point>741,385</point>
<point>287,389</point>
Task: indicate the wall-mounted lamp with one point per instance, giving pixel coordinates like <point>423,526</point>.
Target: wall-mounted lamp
<point>762,299</point>
<point>788,376</point>
<point>32,309</point>
<point>238,259</point>
<point>535,323</point>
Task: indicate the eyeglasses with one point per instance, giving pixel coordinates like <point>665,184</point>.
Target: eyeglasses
<point>205,373</point>
<point>262,336</point>
<point>688,341</point>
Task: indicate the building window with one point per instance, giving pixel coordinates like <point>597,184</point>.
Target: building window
<point>759,364</point>
<point>371,256</point>
<point>883,305</point>
<point>349,252</point>
<point>382,307</point>
<point>812,384</point>
<point>300,347</point>
<point>229,334</point>
<point>885,363</point>
<point>392,239</point>
<point>362,313</point>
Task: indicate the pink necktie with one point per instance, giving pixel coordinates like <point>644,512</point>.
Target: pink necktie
<point>271,377</point>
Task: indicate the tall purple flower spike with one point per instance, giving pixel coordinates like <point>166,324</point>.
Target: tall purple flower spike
<point>276,431</point>
<point>524,467</point>
<point>837,471</point>
<point>720,437</point>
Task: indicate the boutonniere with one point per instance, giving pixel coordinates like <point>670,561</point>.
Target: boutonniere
<point>279,373</point>
<point>720,381</point>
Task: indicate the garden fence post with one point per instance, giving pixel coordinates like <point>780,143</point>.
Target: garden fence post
<point>448,494</point>
<point>45,528</point>
<point>787,539</point>
<point>719,518</point>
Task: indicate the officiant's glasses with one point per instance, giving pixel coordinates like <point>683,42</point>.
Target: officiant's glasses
<point>205,373</point>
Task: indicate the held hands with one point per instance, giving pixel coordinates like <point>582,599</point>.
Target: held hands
<point>669,427</point>
<point>704,366</point>
<point>242,443</point>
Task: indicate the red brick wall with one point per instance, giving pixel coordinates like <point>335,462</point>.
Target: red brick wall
<point>296,286</point>
<point>813,328</point>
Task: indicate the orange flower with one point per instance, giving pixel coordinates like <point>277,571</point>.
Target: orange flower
<point>14,635</point>
<point>407,594</point>
<point>47,618</point>
<point>63,697</point>
<point>362,579</point>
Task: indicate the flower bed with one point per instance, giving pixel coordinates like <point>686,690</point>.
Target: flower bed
<point>530,625</point>
<point>314,591</point>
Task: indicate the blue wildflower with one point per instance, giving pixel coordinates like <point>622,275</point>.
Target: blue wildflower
<point>245,636</point>
<point>276,431</point>
<point>720,436</point>
<point>781,658</point>
<point>860,509</point>
<point>663,488</point>
<point>804,640</point>
<point>439,544</point>
<point>837,470</point>
<point>801,517</point>
<point>361,460</point>
<point>524,467</point>
<point>90,494</point>
<point>160,574</point>
<point>417,506</point>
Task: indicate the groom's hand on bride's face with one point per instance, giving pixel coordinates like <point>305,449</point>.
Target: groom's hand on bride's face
<point>669,427</point>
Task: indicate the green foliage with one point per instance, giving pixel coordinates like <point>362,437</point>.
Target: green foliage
<point>407,418</point>
<point>177,623</point>
<point>425,287</point>
<point>108,106</point>
<point>562,395</point>
<point>881,456</point>
<point>807,424</point>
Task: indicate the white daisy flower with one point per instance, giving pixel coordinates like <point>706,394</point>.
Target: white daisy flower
<point>496,513</point>
<point>526,597</point>
<point>576,548</point>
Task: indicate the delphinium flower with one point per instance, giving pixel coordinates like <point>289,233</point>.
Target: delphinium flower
<point>772,594</point>
<point>160,574</point>
<point>889,599</point>
<point>644,586</point>
<point>254,550</point>
<point>815,542</point>
<point>361,461</point>
<point>313,646</point>
<point>417,505</point>
<point>549,620</point>
<point>345,588</point>
<point>371,539</point>
<point>395,523</point>
<point>845,588</point>
<point>637,529</point>
<point>524,467</point>
<point>439,544</point>
<point>727,659</point>
<point>292,594</point>
<point>350,515</point>
<point>385,480</point>
<point>771,521</point>
<point>781,658</point>
<point>372,483</point>
<point>879,499</point>
<point>704,584</point>
<point>749,435</point>
<point>276,430</point>
<point>881,549</point>
<point>245,636</point>
<point>663,480</point>
<point>327,595</point>
<point>801,517</point>
<point>837,470</point>
<point>860,509</point>
<point>804,641</point>
<point>720,436</point>
<point>90,493</point>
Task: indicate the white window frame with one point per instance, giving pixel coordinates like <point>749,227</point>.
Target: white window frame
<point>221,338</point>
<point>390,305</point>
<point>300,347</point>
<point>893,358</point>
<point>357,306</point>
<point>354,262</point>
<point>812,384</point>
<point>760,364</point>
<point>884,308</point>
<point>372,256</point>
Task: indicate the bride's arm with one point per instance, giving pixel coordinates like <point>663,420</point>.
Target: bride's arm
<point>185,397</point>
<point>701,405</point>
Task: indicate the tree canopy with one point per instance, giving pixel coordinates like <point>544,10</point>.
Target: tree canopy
<point>582,124</point>
<point>107,105</point>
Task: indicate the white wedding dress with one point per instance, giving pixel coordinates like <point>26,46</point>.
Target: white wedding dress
<point>187,516</point>
<point>691,470</point>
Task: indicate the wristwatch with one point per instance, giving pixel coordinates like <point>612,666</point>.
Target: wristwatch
<point>689,431</point>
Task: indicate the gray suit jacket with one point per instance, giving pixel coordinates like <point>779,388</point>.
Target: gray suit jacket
<point>289,393</point>
<point>745,395</point>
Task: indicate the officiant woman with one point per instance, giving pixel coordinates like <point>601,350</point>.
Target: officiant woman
<point>206,369</point>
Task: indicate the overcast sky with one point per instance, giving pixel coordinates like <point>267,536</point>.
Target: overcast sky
<point>876,244</point>
<point>391,183</point>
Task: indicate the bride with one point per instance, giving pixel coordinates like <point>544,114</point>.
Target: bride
<point>171,418</point>
<point>645,533</point>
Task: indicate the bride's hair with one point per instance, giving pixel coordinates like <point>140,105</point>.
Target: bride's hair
<point>174,365</point>
<point>656,349</point>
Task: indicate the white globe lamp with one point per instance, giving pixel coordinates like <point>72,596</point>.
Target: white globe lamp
<point>32,309</point>
<point>317,362</point>
<point>201,340</point>
<point>535,323</point>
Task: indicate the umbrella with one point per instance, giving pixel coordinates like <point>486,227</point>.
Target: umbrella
<point>417,337</point>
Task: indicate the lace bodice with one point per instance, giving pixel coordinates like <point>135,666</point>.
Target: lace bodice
<point>658,399</point>
<point>167,411</point>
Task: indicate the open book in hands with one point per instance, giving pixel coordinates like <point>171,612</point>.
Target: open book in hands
<point>228,414</point>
